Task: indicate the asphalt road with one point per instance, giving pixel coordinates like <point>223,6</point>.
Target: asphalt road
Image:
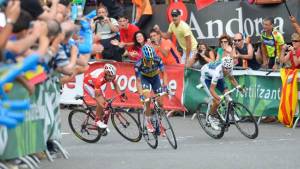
<point>276,147</point>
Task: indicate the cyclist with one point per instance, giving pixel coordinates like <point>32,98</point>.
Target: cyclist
<point>212,77</point>
<point>147,71</point>
<point>92,85</point>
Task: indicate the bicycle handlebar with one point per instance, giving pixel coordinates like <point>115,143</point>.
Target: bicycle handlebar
<point>156,96</point>
<point>227,94</point>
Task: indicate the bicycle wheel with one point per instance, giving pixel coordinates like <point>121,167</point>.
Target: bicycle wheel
<point>150,138</point>
<point>201,116</point>
<point>126,125</point>
<point>244,121</point>
<point>167,127</point>
<point>82,125</point>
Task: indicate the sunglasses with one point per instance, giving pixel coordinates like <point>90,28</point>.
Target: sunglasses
<point>295,40</point>
<point>174,15</point>
<point>237,40</point>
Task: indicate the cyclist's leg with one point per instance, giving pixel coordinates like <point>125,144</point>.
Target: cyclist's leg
<point>157,88</point>
<point>212,102</point>
<point>146,86</point>
<point>100,104</point>
<point>221,87</point>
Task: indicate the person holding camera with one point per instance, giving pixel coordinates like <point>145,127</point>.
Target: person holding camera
<point>293,52</point>
<point>204,55</point>
<point>164,48</point>
<point>106,30</point>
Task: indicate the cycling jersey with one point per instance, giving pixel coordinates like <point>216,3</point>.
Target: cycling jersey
<point>142,70</point>
<point>94,81</point>
<point>150,75</point>
<point>213,71</point>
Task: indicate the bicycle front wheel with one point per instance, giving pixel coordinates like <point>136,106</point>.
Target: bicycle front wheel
<point>168,129</point>
<point>82,125</point>
<point>244,121</point>
<point>204,123</point>
<point>126,125</point>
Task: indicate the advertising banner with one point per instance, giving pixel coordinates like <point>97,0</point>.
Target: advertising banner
<point>231,17</point>
<point>126,80</point>
<point>262,93</point>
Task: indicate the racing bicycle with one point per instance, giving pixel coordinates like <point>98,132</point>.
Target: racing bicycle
<point>160,122</point>
<point>228,112</point>
<point>83,125</point>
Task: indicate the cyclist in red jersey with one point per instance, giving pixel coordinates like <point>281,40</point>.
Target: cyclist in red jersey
<point>92,85</point>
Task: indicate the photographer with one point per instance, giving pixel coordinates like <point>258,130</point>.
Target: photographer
<point>203,56</point>
<point>106,30</point>
<point>293,54</point>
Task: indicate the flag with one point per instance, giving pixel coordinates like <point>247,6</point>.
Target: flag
<point>200,4</point>
<point>289,96</point>
<point>37,76</point>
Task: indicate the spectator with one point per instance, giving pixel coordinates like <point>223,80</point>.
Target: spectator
<point>204,55</point>
<point>36,10</point>
<point>12,12</point>
<point>106,30</point>
<point>243,51</point>
<point>183,34</point>
<point>127,32</point>
<point>22,39</point>
<point>293,55</point>
<point>295,24</point>
<point>164,48</point>
<point>114,8</point>
<point>272,42</point>
<point>225,49</point>
<point>143,12</point>
<point>140,39</point>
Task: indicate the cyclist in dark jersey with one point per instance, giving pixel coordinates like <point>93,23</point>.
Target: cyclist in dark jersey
<point>147,71</point>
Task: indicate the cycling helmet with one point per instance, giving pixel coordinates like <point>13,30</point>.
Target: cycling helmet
<point>148,52</point>
<point>227,62</point>
<point>110,69</point>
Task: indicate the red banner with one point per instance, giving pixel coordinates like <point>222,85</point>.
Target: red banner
<point>126,81</point>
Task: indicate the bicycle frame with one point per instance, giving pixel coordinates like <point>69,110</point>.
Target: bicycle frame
<point>108,110</point>
<point>228,101</point>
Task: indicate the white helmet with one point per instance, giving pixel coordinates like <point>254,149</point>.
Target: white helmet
<point>110,69</point>
<point>227,62</point>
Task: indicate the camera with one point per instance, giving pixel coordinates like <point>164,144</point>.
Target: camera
<point>98,18</point>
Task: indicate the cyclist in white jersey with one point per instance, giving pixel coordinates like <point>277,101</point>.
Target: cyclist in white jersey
<point>212,77</point>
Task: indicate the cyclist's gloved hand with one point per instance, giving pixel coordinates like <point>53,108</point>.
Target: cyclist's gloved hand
<point>240,88</point>
<point>123,97</point>
<point>222,97</point>
<point>165,89</point>
<point>142,98</point>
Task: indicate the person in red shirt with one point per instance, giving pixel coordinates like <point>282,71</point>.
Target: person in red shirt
<point>92,84</point>
<point>293,54</point>
<point>127,32</point>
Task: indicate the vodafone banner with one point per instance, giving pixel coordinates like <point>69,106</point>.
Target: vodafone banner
<point>126,81</point>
